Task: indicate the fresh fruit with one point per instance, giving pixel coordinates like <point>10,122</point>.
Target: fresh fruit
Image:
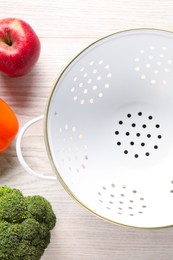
<point>19,47</point>
<point>8,125</point>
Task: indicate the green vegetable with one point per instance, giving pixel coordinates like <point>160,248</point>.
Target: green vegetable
<point>25,224</point>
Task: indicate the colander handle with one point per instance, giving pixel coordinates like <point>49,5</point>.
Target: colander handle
<point>19,150</point>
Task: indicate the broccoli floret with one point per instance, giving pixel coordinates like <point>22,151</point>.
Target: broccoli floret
<point>25,225</point>
<point>41,210</point>
<point>12,210</point>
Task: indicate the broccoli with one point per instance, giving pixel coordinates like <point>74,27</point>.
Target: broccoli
<point>25,224</point>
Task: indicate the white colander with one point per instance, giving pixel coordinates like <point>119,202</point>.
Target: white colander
<point>109,128</point>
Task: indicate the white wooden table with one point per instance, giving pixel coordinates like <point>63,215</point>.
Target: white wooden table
<point>65,27</point>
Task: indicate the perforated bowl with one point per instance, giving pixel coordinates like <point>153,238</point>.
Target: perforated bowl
<point>109,126</point>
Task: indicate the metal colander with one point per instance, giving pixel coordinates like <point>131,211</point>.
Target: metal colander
<point>109,128</point>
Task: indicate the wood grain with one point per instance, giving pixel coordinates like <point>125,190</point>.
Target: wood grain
<point>65,27</point>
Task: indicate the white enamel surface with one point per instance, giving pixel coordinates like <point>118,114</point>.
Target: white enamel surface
<point>109,125</point>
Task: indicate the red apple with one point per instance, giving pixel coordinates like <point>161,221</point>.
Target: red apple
<point>19,47</point>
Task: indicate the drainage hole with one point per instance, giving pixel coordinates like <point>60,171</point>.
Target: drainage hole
<point>159,136</point>
<point>127,133</point>
<point>126,152</point>
<point>157,126</point>
<point>128,115</point>
<point>118,143</point>
<point>120,122</point>
<point>142,144</point>
<point>132,143</point>
<point>148,135</point>
<point>155,147</point>
<point>147,154</point>
<point>150,117</point>
<point>136,155</point>
<point>116,132</point>
<point>138,134</point>
<point>133,125</point>
<point>140,114</point>
<point>144,126</point>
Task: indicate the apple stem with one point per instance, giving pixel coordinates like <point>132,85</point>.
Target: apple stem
<point>8,38</point>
